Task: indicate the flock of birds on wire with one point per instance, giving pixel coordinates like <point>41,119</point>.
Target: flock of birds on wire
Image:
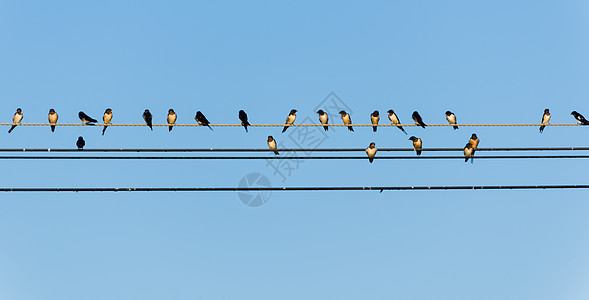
<point>200,118</point>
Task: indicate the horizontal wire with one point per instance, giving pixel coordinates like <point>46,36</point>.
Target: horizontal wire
<point>285,157</point>
<point>296,150</point>
<point>283,125</point>
<point>284,189</point>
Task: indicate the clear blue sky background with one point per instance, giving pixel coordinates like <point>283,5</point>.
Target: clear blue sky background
<point>495,62</point>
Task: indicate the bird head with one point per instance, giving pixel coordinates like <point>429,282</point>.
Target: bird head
<point>448,113</point>
<point>321,112</point>
<point>270,138</point>
<point>375,113</point>
<point>413,138</point>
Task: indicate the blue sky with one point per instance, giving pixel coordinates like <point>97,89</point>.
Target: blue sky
<point>499,62</point>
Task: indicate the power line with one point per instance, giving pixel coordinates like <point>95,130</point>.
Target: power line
<point>285,189</point>
<point>292,125</point>
<point>297,150</point>
<point>285,157</point>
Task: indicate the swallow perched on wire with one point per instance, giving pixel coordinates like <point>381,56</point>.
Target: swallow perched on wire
<point>171,119</point>
<point>272,144</point>
<point>106,118</point>
<point>468,152</point>
<point>451,117</point>
<point>16,119</point>
<point>474,140</point>
<point>418,120</point>
<point>347,120</point>
<point>374,118</point>
<point>202,120</point>
<point>52,119</point>
<point>371,151</point>
<point>243,119</point>
<point>86,119</point>
<point>323,118</point>
<point>579,117</point>
<point>545,119</point>
<point>395,120</point>
<point>81,143</point>
<point>148,119</point>
<point>416,144</point>
<point>292,116</point>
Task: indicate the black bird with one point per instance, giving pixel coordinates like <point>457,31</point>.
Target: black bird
<point>86,119</point>
<point>292,116</point>
<point>16,119</point>
<point>80,143</point>
<point>148,118</point>
<point>580,118</point>
<point>202,120</point>
<point>243,119</point>
<point>417,118</point>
